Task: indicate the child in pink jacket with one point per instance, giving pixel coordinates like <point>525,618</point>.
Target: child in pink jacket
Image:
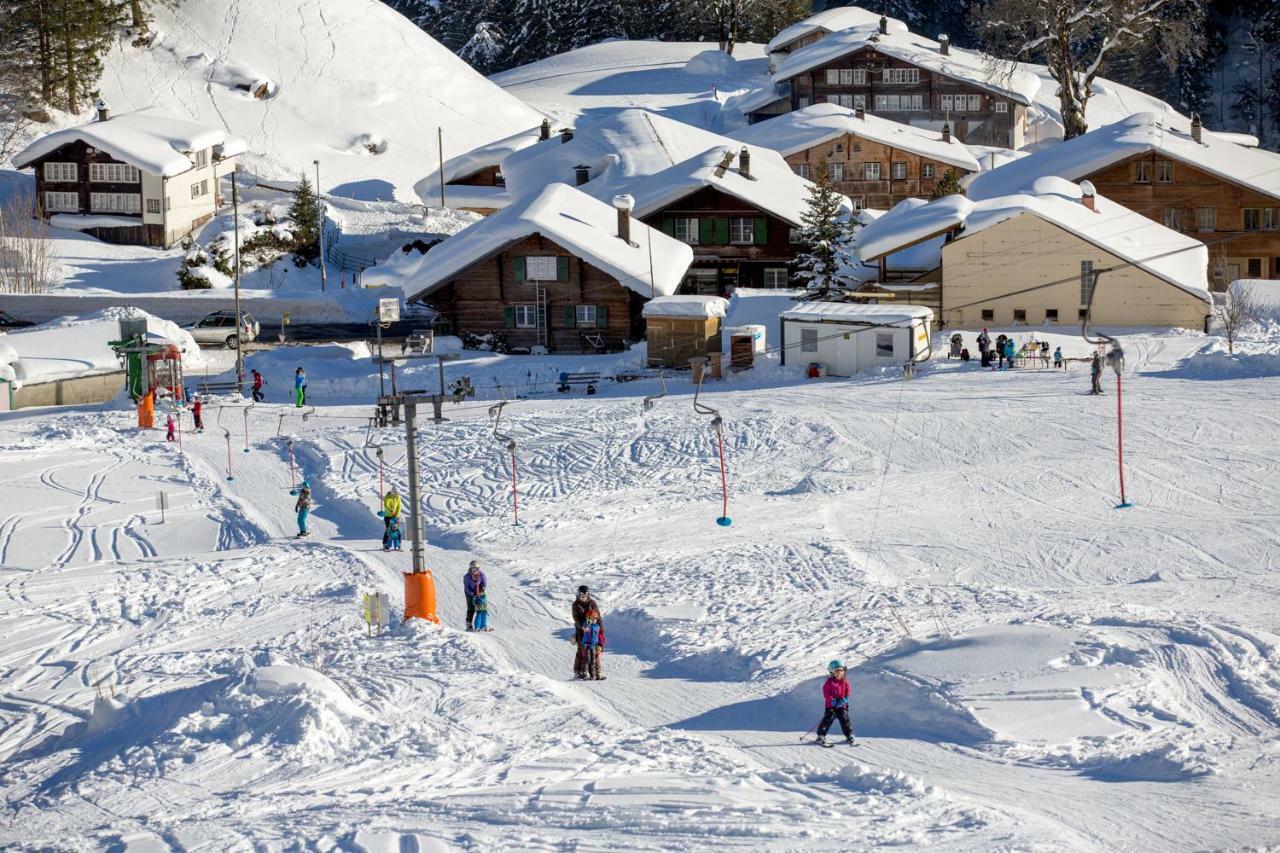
<point>835,690</point>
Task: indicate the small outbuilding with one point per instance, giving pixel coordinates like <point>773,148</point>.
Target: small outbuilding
<point>682,327</point>
<point>846,337</point>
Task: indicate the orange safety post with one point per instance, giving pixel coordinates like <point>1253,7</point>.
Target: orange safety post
<point>420,596</point>
<point>147,411</point>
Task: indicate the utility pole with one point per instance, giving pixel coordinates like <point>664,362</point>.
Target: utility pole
<point>235,219</point>
<point>411,449</point>
<point>440,149</point>
<point>320,209</point>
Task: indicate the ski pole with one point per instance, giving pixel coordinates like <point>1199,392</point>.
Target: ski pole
<point>811,728</point>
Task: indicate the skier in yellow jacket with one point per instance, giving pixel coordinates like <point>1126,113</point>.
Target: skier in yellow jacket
<point>391,507</point>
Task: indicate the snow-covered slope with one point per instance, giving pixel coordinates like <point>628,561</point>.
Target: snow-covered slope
<point>350,83</point>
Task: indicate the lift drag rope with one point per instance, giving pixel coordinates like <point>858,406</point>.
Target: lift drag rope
<point>496,413</point>
<point>717,423</point>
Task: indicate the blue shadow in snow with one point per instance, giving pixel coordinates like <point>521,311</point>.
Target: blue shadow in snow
<point>371,189</point>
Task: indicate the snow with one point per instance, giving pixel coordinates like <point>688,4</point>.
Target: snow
<point>910,222</point>
<point>1076,158</point>
<point>960,64</point>
<point>831,21</point>
<point>686,305</point>
<point>802,129</point>
<point>652,263</point>
<point>151,139</point>
<point>852,312</point>
<point>85,221</point>
<point>479,158</point>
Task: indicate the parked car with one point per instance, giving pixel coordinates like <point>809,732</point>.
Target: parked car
<point>220,328</point>
<point>8,321</point>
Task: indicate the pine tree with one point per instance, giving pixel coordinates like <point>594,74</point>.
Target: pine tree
<point>486,48</point>
<point>538,30</point>
<point>948,184</point>
<point>305,213</point>
<point>826,235</point>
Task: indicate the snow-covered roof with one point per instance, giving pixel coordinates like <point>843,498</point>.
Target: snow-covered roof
<point>482,157</point>
<point>1098,149</point>
<point>772,187</point>
<point>652,263</point>
<point>959,64</point>
<point>853,312</point>
<point>802,129</point>
<point>152,140</point>
<point>758,99</point>
<point>1177,258</point>
<point>686,305</point>
<point>831,21</point>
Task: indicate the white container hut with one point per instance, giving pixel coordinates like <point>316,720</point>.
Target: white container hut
<point>846,337</point>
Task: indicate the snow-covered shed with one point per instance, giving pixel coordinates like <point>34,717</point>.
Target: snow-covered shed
<point>474,180</point>
<point>683,326</point>
<point>860,150</point>
<point>847,337</point>
<point>558,270</point>
<point>1177,173</point>
<point>144,177</point>
<point>1031,257</point>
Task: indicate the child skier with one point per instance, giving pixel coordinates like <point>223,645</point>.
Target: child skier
<point>481,604</point>
<point>258,382</point>
<point>836,692</point>
<point>196,408</point>
<point>590,649</point>
<point>303,507</point>
<point>1057,358</point>
<point>391,507</point>
<point>300,387</point>
<point>169,425</point>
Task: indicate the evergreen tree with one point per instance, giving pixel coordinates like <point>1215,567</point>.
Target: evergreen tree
<point>305,213</point>
<point>486,48</point>
<point>948,184</point>
<point>826,235</point>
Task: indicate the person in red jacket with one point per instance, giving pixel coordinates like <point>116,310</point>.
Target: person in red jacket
<point>196,408</point>
<point>836,691</point>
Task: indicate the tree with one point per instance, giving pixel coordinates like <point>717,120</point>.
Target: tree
<point>485,49</point>
<point>305,213</point>
<point>948,184</point>
<point>1076,39</point>
<point>826,237</point>
<point>1236,308</point>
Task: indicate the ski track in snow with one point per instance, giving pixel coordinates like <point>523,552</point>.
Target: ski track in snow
<point>1076,677</point>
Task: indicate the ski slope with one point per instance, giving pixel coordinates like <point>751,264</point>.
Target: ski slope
<point>1032,669</point>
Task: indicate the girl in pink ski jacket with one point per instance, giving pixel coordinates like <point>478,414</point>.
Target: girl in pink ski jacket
<point>836,691</point>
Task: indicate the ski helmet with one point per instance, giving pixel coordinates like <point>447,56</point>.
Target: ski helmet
<point>834,665</point>
<point>583,589</point>
<point>305,484</point>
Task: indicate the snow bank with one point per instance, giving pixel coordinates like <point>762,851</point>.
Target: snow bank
<point>710,63</point>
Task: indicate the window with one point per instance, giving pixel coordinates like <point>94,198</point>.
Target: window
<point>60,172</point>
<point>585,315</point>
<point>541,268</point>
<point>947,102</point>
<point>808,340</point>
<point>526,316</point>
<point>835,171</point>
<point>975,103</point>
<point>1173,218</point>
<point>898,171</point>
<point>926,171</point>
<point>846,76</point>
<point>988,315</point>
<point>871,171</point>
<point>204,187</point>
<point>1019,315</point>
<point>1002,106</point>
<point>793,236</point>
<point>1086,282</point>
<point>1206,219</point>
<point>61,202</point>
<point>839,147</point>
<point>114,173</point>
<point>195,191</point>
<point>833,77</point>
<point>153,205</point>
<point>845,101</point>
<point>202,158</point>
<point>1269,218</point>
<point>1082,313</point>
<point>115,203</point>
<point>685,228</point>
<point>776,277</point>
<point>1051,315</point>
<point>1255,267</point>
<point>859,204</point>
<point>1142,172</point>
<point>742,230</point>
<point>803,101</point>
<point>1252,219</point>
<point>801,169</point>
<point>901,76</point>
<point>1164,171</point>
<point>859,102</point>
<point>884,344</point>
<point>701,281</point>
<point>889,103</point>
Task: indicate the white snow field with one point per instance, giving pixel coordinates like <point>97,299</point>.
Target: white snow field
<point>1032,668</point>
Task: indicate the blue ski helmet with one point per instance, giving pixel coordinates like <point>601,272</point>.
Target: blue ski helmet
<point>834,665</point>
<point>305,484</point>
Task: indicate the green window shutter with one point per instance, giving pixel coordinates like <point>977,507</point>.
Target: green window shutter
<point>722,232</point>
<point>562,268</point>
<point>509,316</point>
<point>519,268</point>
<point>602,316</point>
<point>669,225</point>
<point>761,235</point>
<point>706,231</point>
<point>570,316</point>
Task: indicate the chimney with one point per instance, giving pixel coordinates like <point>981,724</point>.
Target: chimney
<point>104,112</point>
<point>884,25</point>
<point>1196,127</point>
<point>859,112</point>
<point>581,174</point>
<point>544,130</point>
<point>744,163</point>
<point>946,131</point>
<point>624,204</point>
<point>566,134</point>
<point>944,44</point>
<point>1088,196</point>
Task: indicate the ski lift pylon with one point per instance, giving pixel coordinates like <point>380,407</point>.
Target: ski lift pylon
<point>653,399</point>
<point>717,423</point>
<point>495,412</point>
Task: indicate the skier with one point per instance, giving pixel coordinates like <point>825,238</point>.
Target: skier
<point>1095,374</point>
<point>1044,353</point>
<point>257,386</point>
<point>196,408</point>
<point>957,344</point>
<point>582,605</point>
<point>300,387</point>
<point>471,582</point>
<point>169,425</point>
<point>999,352</point>
<point>984,348</point>
<point>836,693</point>
<point>303,507</point>
<point>1057,358</point>
<point>586,666</point>
<point>480,604</point>
<point>391,506</point>
<point>1010,352</point>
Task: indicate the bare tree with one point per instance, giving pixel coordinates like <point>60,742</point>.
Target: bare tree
<point>1235,309</point>
<point>28,263</point>
<point>1076,39</point>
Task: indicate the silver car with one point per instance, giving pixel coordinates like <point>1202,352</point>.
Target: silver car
<point>220,328</point>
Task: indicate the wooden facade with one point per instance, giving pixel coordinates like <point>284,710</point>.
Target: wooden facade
<point>82,155</point>
<point>872,174</point>
<point>735,244</point>
<point>674,340</point>
<point>497,294</point>
<point>977,115</point>
<point>489,176</point>
<point>1241,226</point>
